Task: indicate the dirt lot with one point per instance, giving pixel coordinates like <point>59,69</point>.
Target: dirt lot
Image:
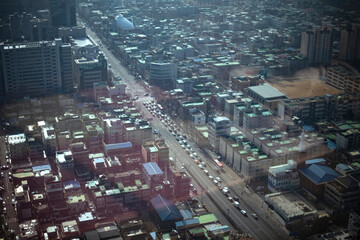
<point>305,83</point>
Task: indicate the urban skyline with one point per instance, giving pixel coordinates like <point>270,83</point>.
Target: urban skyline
<point>168,119</point>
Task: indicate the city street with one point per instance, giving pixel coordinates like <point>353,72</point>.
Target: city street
<point>264,228</point>
<point>10,215</point>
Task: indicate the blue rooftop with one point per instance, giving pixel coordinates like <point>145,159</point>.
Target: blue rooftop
<point>118,146</point>
<point>308,128</point>
<point>99,160</point>
<point>315,160</point>
<point>71,184</point>
<point>318,173</point>
<point>41,168</point>
<point>331,145</point>
<point>166,210</point>
<point>186,214</point>
<point>152,168</point>
<point>187,222</point>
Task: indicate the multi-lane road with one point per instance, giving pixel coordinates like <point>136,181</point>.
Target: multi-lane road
<point>265,227</point>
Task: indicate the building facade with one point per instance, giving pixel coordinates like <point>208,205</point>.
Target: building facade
<point>283,177</point>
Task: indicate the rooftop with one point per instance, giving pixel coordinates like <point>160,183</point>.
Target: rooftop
<point>319,173</point>
<point>166,210</point>
<point>152,168</point>
<point>266,91</point>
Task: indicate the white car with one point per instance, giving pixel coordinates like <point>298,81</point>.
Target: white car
<point>211,177</point>
<point>243,212</point>
<point>200,166</point>
<point>218,179</point>
<point>192,156</point>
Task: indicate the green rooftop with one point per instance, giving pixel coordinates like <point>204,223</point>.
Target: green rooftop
<point>207,218</point>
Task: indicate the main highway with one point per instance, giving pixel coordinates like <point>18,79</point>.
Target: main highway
<point>265,227</point>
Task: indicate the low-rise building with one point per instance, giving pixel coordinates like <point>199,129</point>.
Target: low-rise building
<point>343,193</point>
<point>313,178</point>
<point>17,146</point>
<point>218,127</point>
<point>152,174</point>
<point>283,177</point>
<point>266,95</point>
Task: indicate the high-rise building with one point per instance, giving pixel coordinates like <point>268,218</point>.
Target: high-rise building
<point>90,71</point>
<point>63,13</point>
<point>67,83</point>
<point>163,75</point>
<point>34,69</point>
<point>317,45</point>
<point>350,43</point>
<point>15,26</point>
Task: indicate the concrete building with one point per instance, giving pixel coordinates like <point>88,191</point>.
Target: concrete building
<point>181,183</point>
<point>90,71</point>
<point>63,13</point>
<point>113,130</point>
<point>150,153</point>
<point>49,139</point>
<point>266,95</point>
<point>343,79</point>
<point>218,127</point>
<point>258,118</point>
<point>321,107</point>
<point>289,208</point>
<point>317,45</point>
<point>137,134</point>
<point>343,193</point>
<point>17,147</point>
<point>197,117</point>
<point>350,43</point>
<point>163,75</point>
<point>35,68</point>
<point>65,164</point>
<point>244,105</point>
<point>283,177</point>
<point>313,178</point>
<point>255,164</point>
<point>152,174</point>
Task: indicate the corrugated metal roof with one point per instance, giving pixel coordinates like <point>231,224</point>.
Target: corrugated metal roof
<point>315,160</point>
<point>187,222</point>
<point>267,91</point>
<point>166,210</point>
<point>118,146</point>
<point>152,168</point>
<point>41,168</point>
<point>318,173</point>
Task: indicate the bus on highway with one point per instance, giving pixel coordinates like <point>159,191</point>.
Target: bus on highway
<point>218,163</point>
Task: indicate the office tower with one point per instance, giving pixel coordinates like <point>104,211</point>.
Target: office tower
<point>316,45</point>
<point>63,13</point>
<point>163,75</point>
<point>90,71</point>
<point>350,43</point>
<point>33,69</point>
<point>15,26</point>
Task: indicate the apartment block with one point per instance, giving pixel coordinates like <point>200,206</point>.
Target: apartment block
<point>343,79</point>
<point>218,127</point>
